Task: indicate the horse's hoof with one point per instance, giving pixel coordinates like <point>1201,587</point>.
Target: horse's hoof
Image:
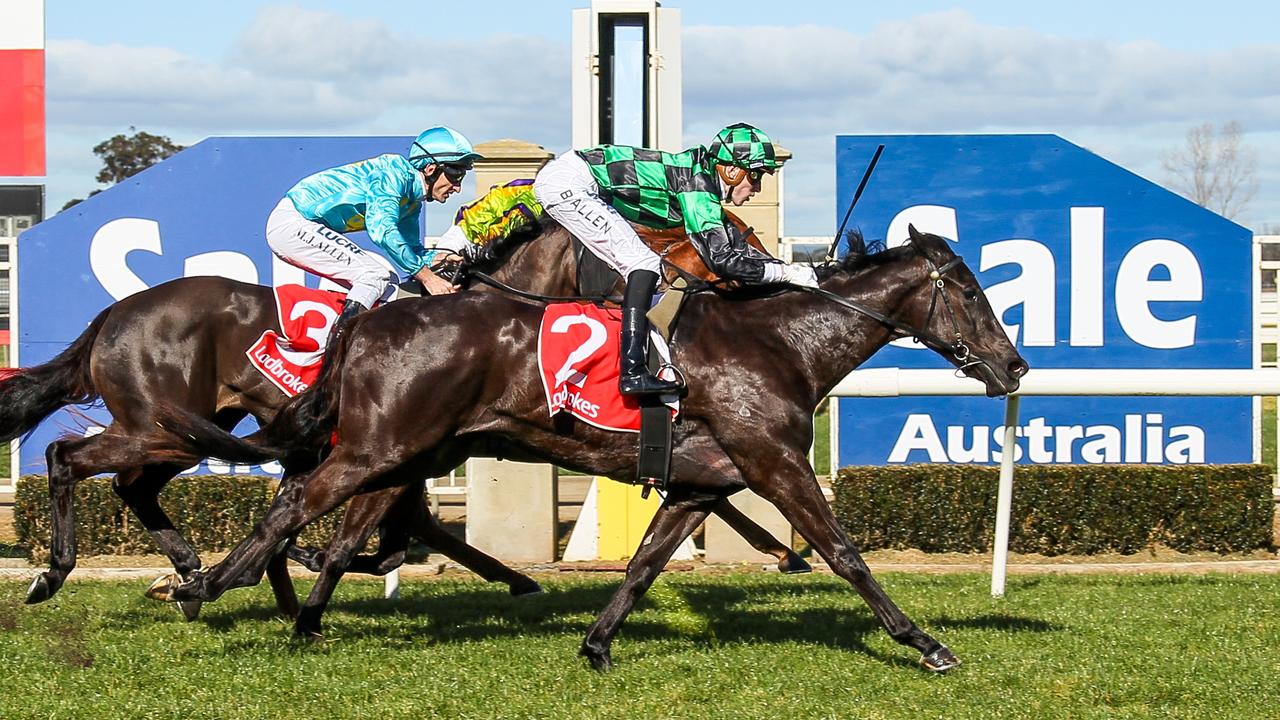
<point>191,589</point>
<point>311,637</point>
<point>793,564</point>
<point>162,588</point>
<point>600,660</point>
<point>190,608</point>
<point>940,660</point>
<point>42,588</point>
<point>525,586</point>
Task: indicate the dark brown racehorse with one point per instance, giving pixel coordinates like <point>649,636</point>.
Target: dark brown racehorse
<point>561,267</point>
<point>758,364</point>
<point>183,342</point>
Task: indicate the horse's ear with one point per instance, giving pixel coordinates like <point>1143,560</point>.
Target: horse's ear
<point>933,247</point>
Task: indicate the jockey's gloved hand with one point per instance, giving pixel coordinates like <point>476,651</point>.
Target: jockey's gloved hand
<point>801,275</point>
<point>473,254</point>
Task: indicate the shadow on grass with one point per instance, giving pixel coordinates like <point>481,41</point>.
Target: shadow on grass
<point>772,612</point>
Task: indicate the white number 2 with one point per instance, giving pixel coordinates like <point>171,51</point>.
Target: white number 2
<point>593,342</point>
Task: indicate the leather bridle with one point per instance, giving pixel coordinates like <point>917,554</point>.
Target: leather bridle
<point>958,348</point>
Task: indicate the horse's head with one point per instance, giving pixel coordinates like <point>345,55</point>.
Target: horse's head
<point>950,306</point>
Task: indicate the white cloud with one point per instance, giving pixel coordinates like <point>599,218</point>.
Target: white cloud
<point>947,73</point>
<point>297,71</point>
<point>301,71</point>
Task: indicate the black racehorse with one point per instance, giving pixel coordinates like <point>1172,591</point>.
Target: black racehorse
<point>184,343</point>
<point>758,364</point>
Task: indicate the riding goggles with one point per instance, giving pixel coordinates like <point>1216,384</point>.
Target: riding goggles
<point>455,173</point>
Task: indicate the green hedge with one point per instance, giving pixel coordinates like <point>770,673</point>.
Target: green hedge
<point>214,512</point>
<point>1059,509</point>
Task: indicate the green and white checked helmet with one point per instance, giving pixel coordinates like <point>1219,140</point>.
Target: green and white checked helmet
<point>745,146</point>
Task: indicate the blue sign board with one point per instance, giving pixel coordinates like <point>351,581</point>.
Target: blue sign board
<point>1088,266</point>
<point>201,212</point>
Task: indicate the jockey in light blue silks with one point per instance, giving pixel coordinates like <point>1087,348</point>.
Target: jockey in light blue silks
<point>383,196</point>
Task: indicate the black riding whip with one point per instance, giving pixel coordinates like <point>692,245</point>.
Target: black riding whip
<point>835,244</point>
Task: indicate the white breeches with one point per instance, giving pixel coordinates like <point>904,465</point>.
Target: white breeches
<point>569,194</point>
<point>318,249</point>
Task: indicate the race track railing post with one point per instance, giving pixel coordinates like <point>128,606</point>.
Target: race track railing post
<point>1004,497</point>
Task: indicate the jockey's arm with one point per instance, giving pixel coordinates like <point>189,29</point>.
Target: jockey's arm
<point>392,233</point>
<point>718,244</point>
<point>398,237</point>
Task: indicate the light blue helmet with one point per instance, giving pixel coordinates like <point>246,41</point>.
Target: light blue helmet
<point>442,145</point>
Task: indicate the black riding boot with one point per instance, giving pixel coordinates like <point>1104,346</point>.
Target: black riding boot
<point>636,378</point>
<point>350,309</point>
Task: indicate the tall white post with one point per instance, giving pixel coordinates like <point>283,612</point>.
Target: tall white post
<point>1004,498</point>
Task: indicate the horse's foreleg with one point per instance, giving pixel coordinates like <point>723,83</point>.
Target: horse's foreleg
<point>680,514</point>
<point>760,539</point>
<point>801,502</point>
<point>336,480</point>
<point>282,585</point>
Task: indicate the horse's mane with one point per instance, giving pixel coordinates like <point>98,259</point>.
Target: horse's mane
<point>861,255</point>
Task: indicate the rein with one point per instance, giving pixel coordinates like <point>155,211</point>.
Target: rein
<point>959,350</point>
<point>499,285</point>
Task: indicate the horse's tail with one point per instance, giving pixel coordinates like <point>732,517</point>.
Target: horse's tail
<point>195,437</point>
<point>29,395</point>
<point>303,426</point>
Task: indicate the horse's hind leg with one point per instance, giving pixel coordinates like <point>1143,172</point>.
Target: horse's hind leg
<point>336,480</point>
<point>677,517</point>
<point>358,524</point>
<point>409,517</point>
<point>393,540</point>
<point>139,489</point>
<point>760,539</point>
<point>432,533</point>
<point>69,460</point>
<point>393,544</point>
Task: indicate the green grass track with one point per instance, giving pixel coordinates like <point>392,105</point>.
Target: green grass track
<point>701,645</point>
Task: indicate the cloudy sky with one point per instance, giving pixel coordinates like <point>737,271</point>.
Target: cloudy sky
<point>1124,78</point>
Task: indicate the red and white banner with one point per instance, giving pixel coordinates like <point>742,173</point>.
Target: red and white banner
<point>292,362</point>
<point>22,123</point>
<point>578,360</point>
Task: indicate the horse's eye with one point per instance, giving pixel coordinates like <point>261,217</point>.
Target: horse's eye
<point>970,295</point>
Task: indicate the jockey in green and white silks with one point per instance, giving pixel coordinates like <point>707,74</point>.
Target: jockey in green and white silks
<point>591,191</point>
<point>383,196</point>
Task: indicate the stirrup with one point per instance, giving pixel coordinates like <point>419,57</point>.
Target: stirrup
<point>680,378</point>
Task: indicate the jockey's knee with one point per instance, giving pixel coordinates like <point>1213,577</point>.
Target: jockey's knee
<point>647,261</point>
<point>370,287</point>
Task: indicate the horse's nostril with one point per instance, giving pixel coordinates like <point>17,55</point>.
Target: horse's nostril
<point>1018,368</point>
